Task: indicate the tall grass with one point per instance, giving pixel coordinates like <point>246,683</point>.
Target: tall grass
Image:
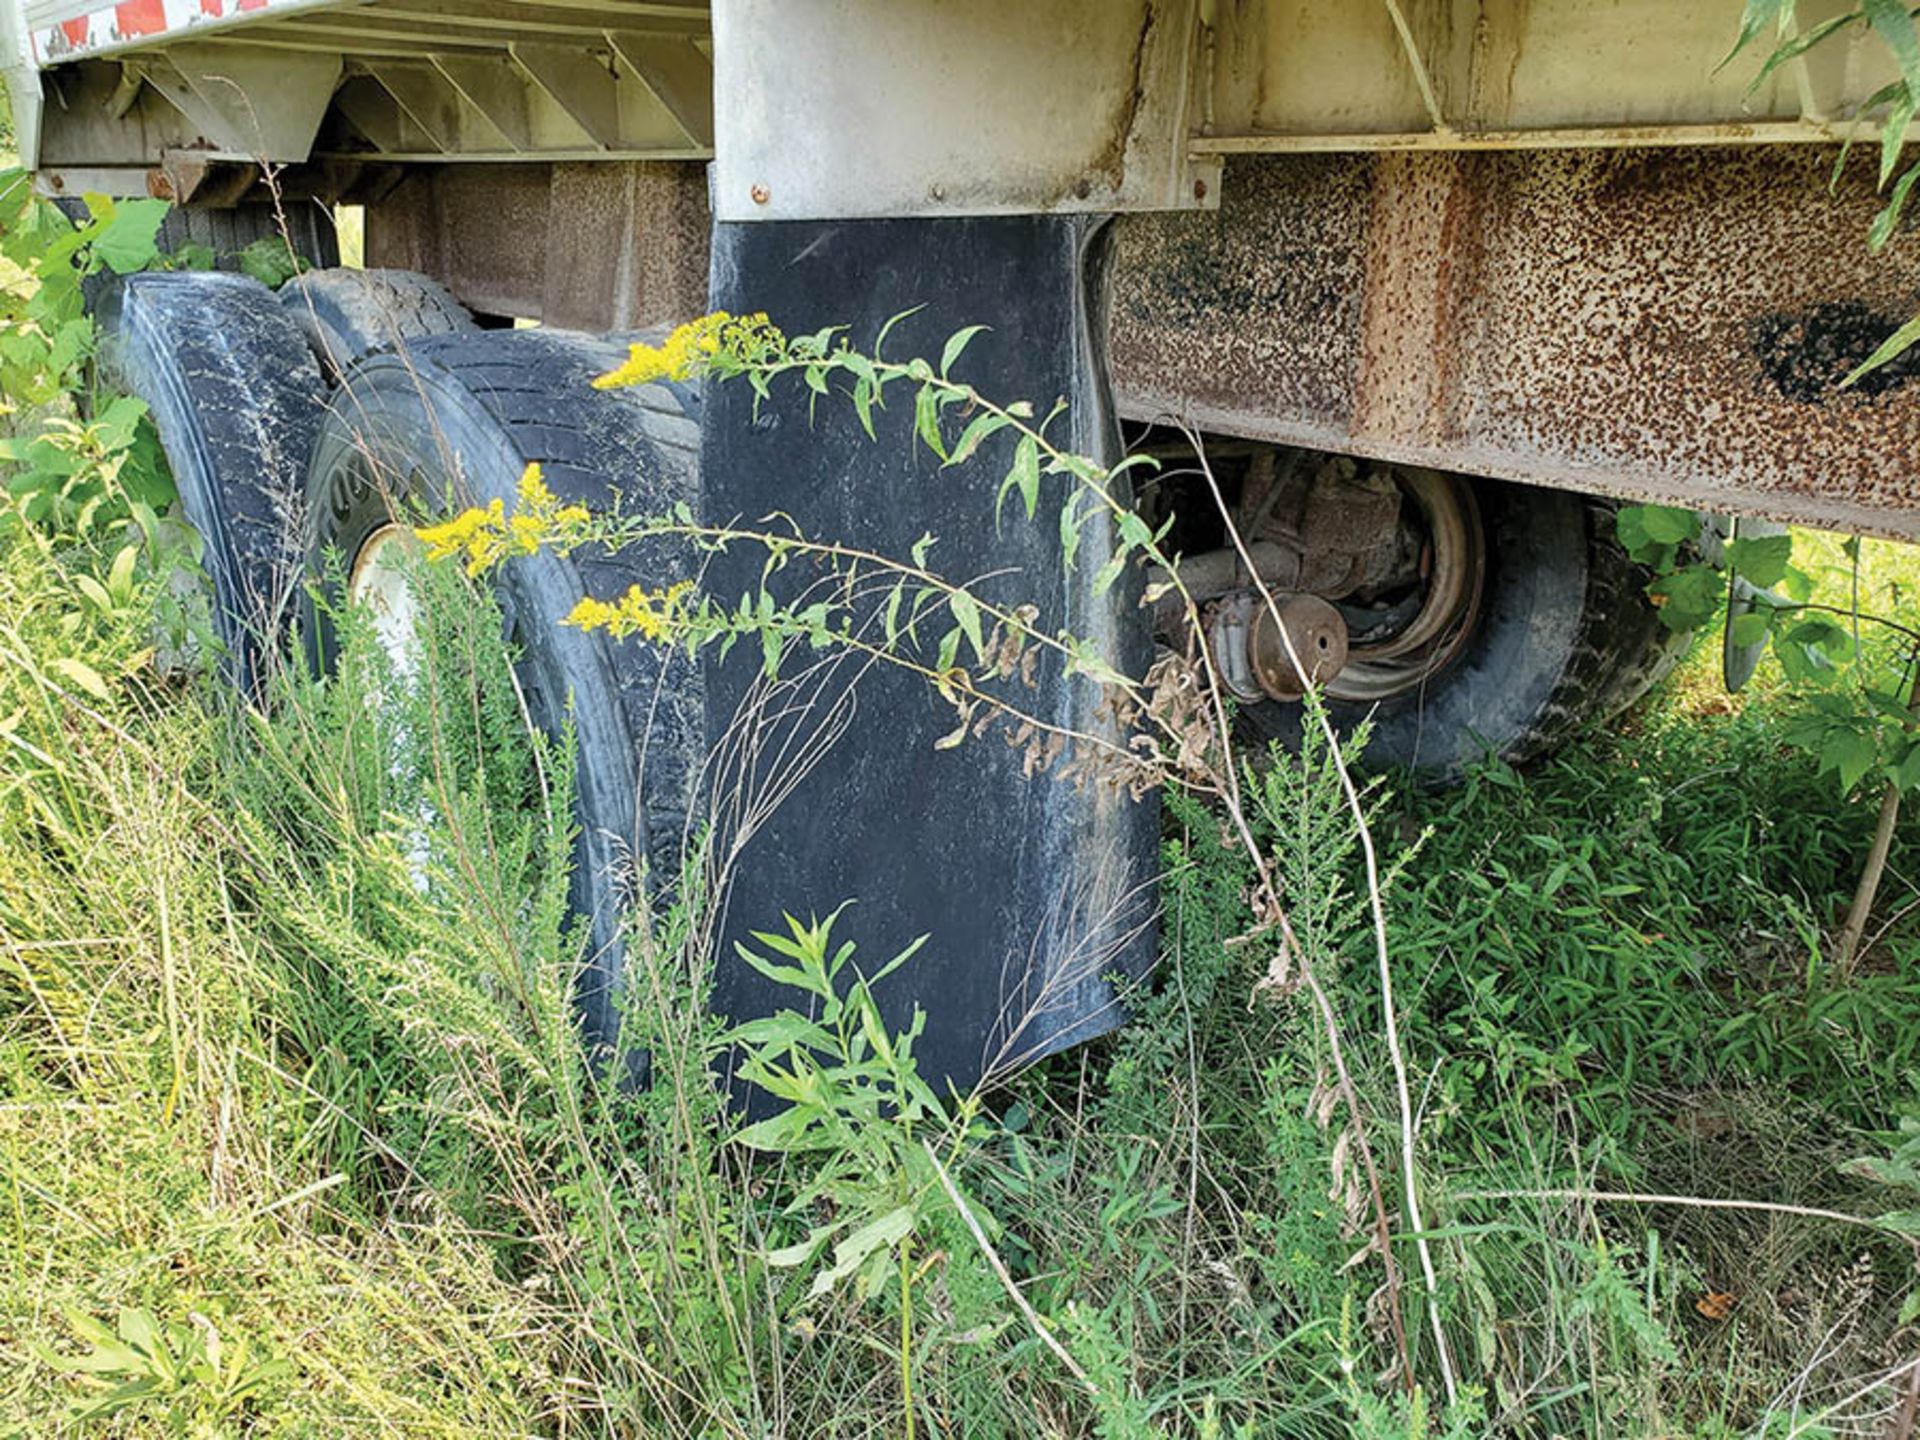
<point>287,1058</point>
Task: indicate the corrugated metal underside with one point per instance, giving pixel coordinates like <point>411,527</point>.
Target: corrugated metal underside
<point>398,79</point>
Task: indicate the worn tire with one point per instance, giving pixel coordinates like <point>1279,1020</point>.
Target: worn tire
<point>452,420</point>
<point>1566,638</point>
<point>348,315</point>
<point>229,231</point>
<point>237,399</point>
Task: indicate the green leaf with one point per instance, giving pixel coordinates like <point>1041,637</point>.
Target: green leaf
<point>778,1133</point>
<point>120,573</point>
<point>1668,524</point>
<point>192,256</point>
<point>789,1256</point>
<point>1894,346</point>
<point>1025,474</point>
<point>956,343</point>
<point>1793,49</point>
<point>926,420</point>
<point>949,654</point>
<point>271,261</point>
<point>1909,1308</point>
<point>871,1238</point>
<point>1849,753</point>
<point>893,612</point>
<point>127,243</point>
<point>1888,219</point>
<point>1892,22</point>
<point>1762,561</point>
<point>779,1032</point>
<point>1070,530</point>
<point>85,676</point>
<point>118,422</point>
<point>95,592</point>
<point>863,404</point>
<point>880,340</point>
<point>1756,17</point>
<point>983,425</point>
<point>897,961</point>
<point>1134,534</point>
<point>792,975</point>
<point>1907,775</point>
<point>967,612</point>
<point>1749,629</point>
<point>1688,597</point>
<point>1893,130</point>
<point>1104,579</point>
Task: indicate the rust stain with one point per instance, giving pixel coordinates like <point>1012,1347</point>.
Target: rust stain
<point>1111,160</point>
<point>1498,41</point>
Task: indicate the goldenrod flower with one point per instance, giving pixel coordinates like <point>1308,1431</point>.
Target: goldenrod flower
<point>689,350</point>
<point>485,536</point>
<point>479,533</point>
<point>534,494</point>
<point>650,614</point>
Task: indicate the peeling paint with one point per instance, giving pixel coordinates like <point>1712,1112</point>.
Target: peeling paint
<point>1807,355</point>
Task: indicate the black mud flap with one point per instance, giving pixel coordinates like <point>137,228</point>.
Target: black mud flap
<point>827,786</point>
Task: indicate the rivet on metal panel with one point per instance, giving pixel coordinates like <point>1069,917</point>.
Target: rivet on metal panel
<point>1082,188</point>
<point>936,192</point>
<point>761,195</point>
<point>1199,189</point>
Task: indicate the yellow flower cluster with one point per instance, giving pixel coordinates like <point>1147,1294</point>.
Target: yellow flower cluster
<point>484,536</point>
<point>647,613</point>
<point>690,349</point>
<point>477,533</point>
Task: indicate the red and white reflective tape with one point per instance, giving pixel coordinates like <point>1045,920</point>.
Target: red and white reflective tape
<point>113,26</point>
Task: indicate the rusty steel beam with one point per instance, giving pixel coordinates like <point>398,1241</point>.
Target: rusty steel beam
<point>1649,324</point>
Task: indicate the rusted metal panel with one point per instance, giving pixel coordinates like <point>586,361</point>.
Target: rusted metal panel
<point>478,229</point>
<point>1666,324</point>
<point>593,246</point>
<point>626,245</point>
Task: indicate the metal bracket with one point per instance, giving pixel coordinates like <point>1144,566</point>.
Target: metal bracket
<point>253,102</point>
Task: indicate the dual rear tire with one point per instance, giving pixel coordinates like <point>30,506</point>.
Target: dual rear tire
<point>291,484</point>
<point>453,422</point>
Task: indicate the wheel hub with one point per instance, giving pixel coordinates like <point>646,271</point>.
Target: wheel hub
<point>1378,572</point>
<point>381,583</point>
<point>1276,650</point>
